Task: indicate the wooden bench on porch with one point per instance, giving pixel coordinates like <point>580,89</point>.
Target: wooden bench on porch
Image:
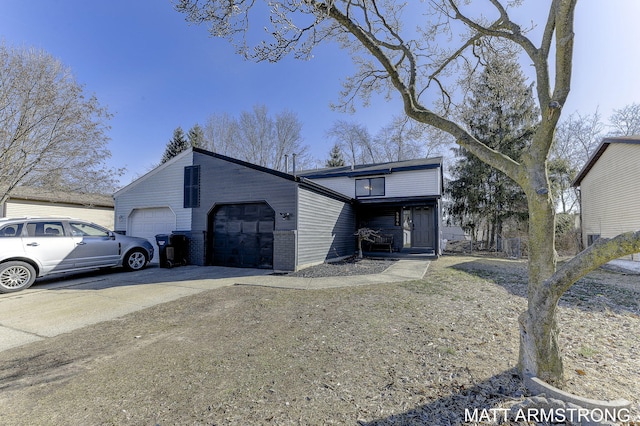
<point>381,241</point>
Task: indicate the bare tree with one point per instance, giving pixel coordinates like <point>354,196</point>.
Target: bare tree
<point>50,134</point>
<point>402,139</point>
<point>288,141</point>
<point>257,137</point>
<point>626,121</point>
<point>256,132</point>
<point>416,63</point>
<point>355,141</point>
<point>220,134</point>
<point>577,136</point>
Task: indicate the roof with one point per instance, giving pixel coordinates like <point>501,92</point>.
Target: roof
<point>598,153</point>
<point>28,193</point>
<point>193,150</point>
<point>374,169</point>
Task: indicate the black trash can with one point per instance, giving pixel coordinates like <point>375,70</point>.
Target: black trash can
<point>180,245</point>
<point>173,249</point>
<point>166,255</point>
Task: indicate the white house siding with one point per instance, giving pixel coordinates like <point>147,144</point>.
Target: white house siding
<point>161,188</point>
<point>397,184</point>
<point>611,193</point>
<point>325,228</point>
<point>413,183</point>
<point>103,216</point>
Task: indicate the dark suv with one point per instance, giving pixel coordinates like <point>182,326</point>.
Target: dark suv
<point>34,247</point>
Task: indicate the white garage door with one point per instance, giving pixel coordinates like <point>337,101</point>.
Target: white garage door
<point>149,222</point>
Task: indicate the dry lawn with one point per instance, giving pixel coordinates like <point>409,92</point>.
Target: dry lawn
<point>399,354</point>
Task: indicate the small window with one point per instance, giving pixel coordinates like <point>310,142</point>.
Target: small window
<point>371,187</point>
<point>191,186</point>
<point>45,229</point>
<point>13,230</point>
<point>592,238</point>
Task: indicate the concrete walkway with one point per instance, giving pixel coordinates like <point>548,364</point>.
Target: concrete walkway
<point>56,305</point>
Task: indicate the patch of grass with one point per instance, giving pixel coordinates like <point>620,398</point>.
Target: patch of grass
<point>586,351</point>
<point>446,350</point>
<point>429,285</point>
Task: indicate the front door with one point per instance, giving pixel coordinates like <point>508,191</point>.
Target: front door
<point>422,234</point>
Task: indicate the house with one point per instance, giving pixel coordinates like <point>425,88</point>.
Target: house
<point>30,201</point>
<point>239,214</point>
<point>402,199</point>
<point>610,190</point>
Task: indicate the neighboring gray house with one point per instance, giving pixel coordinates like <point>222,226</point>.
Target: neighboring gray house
<point>30,201</point>
<point>240,214</point>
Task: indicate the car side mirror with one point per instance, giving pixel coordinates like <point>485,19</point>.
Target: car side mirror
<point>112,235</point>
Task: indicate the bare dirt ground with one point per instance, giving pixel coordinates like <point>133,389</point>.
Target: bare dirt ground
<point>418,352</point>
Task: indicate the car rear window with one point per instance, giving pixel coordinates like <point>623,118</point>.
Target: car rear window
<point>13,230</point>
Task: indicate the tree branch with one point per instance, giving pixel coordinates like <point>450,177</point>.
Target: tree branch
<point>596,255</point>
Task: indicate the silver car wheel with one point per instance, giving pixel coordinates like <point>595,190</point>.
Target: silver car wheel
<point>135,260</point>
<point>16,276</point>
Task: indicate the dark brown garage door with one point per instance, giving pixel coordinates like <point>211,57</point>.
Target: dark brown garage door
<point>243,235</point>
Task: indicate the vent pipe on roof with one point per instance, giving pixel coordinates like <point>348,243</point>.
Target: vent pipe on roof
<point>293,158</point>
<point>286,163</point>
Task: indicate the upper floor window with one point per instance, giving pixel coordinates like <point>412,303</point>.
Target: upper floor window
<point>370,187</point>
<point>191,186</point>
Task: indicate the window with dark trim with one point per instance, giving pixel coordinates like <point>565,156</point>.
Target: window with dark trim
<point>191,186</point>
<point>370,187</point>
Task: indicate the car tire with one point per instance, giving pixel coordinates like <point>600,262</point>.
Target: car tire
<point>15,276</point>
<point>135,260</point>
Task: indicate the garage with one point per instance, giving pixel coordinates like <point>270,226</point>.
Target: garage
<point>242,235</point>
<point>149,222</point>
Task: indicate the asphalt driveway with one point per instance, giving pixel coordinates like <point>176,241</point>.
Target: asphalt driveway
<point>57,305</point>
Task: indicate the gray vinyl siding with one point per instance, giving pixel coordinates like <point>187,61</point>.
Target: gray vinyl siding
<point>383,220</point>
<point>325,228</point>
<point>162,187</point>
<point>223,182</point>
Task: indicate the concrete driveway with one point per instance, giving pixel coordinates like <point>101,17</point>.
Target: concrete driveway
<point>57,305</point>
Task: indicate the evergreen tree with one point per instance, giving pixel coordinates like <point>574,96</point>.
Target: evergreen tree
<point>335,157</point>
<point>500,113</point>
<point>196,136</point>
<point>175,146</point>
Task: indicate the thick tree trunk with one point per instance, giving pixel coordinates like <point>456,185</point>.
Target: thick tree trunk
<point>539,351</point>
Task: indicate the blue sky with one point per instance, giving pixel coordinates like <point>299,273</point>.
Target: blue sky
<point>155,72</point>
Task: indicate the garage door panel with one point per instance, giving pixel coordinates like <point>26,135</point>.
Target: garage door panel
<point>149,222</point>
<point>243,235</point>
